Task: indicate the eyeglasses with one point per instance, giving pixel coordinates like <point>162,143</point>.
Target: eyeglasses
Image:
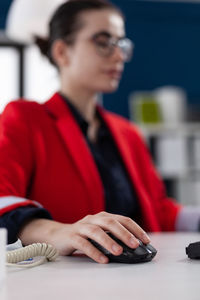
<point>106,44</point>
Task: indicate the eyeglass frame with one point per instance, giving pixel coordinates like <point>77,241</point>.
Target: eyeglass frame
<point>114,42</point>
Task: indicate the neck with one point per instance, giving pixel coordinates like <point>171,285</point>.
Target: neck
<point>84,101</point>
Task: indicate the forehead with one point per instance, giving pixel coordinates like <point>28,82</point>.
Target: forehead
<point>102,20</point>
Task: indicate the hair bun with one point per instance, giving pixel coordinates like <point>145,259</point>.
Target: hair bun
<point>43,45</point>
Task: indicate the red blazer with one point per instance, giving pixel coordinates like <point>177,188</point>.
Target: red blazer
<point>44,157</point>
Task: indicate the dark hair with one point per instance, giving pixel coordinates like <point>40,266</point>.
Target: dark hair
<point>64,23</point>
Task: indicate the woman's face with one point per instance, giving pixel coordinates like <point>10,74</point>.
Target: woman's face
<point>90,66</point>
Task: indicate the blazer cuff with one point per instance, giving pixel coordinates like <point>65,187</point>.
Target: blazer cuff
<point>8,203</point>
<point>14,219</point>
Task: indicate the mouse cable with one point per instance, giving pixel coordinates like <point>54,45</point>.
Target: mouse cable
<point>23,257</point>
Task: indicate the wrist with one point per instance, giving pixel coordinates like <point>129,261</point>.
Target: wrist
<point>38,231</point>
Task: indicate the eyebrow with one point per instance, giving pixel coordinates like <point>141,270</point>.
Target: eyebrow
<point>107,34</point>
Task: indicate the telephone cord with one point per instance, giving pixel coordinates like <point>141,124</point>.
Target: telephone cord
<point>48,252</point>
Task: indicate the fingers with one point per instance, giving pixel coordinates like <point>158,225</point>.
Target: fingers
<point>122,227</point>
<point>96,233</point>
<point>134,228</point>
<point>95,227</point>
<point>118,230</point>
<point>86,247</point>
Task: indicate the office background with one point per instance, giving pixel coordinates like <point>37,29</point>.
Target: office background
<point>167,47</point>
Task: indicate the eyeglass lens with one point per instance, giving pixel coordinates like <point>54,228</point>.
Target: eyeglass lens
<point>106,44</point>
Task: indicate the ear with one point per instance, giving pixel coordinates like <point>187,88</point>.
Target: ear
<point>59,53</point>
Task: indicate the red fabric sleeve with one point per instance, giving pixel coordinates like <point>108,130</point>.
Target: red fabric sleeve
<point>16,154</point>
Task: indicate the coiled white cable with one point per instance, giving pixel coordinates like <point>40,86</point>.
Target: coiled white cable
<point>23,254</point>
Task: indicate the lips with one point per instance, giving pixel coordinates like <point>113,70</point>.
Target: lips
<point>116,74</point>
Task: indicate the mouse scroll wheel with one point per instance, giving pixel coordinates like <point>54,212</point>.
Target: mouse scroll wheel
<point>145,247</point>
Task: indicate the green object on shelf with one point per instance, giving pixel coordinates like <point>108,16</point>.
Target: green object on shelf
<point>150,112</point>
<point>145,109</point>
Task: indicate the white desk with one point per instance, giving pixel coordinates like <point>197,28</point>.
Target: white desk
<point>171,275</point>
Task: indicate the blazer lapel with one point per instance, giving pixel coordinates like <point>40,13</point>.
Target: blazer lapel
<point>78,149</point>
<point>120,138</point>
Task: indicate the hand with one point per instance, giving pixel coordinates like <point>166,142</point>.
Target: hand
<point>70,237</point>
<point>75,237</point>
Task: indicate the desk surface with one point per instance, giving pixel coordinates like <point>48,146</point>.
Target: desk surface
<point>171,275</point>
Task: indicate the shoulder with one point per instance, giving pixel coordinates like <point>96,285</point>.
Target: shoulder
<point>22,109</point>
<point>22,105</point>
<point>21,115</point>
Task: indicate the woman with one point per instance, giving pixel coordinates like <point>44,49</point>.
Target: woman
<point>69,170</point>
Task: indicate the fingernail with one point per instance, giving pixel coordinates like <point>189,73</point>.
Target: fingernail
<point>116,248</point>
<point>134,242</point>
<point>103,259</point>
<point>145,238</point>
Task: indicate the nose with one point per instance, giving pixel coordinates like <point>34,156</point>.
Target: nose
<point>118,54</point>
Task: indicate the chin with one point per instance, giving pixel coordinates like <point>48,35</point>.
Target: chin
<point>112,87</point>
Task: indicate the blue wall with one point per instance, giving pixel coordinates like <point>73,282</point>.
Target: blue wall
<point>167,49</point>
<point>4,6</point>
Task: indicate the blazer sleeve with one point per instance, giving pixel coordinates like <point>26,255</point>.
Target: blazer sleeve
<point>16,158</point>
<point>16,218</point>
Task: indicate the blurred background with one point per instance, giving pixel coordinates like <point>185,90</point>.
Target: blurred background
<point>160,89</point>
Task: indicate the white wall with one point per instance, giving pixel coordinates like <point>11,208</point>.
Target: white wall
<point>8,75</point>
<point>41,78</point>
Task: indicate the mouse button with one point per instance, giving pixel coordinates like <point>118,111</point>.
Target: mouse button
<point>132,256</point>
<point>144,246</point>
<point>140,250</point>
<point>151,248</point>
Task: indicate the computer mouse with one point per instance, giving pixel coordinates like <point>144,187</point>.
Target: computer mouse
<point>143,253</point>
<point>193,250</point>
